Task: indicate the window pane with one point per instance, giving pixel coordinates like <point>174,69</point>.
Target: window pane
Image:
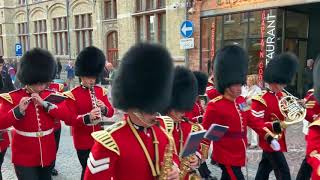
<point>162,28</point>
<point>151,28</point>
<point>139,29</point>
<point>107,9</point>
<point>297,25</point>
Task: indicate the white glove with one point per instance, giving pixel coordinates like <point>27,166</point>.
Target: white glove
<point>275,145</point>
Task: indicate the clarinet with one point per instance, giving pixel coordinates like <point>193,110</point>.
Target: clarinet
<point>94,104</point>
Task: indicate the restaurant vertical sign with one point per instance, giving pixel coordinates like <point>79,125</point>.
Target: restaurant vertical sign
<point>267,41</point>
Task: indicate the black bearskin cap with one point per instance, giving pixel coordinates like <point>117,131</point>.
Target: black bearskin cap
<point>316,79</point>
<point>202,79</point>
<point>144,79</point>
<point>185,90</point>
<point>36,66</point>
<point>230,67</point>
<point>281,69</point>
<point>90,62</point>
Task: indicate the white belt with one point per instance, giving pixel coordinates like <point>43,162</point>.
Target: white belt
<point>35,134</point>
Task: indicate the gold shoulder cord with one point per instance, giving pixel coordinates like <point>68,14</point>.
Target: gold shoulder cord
<point>155,171</point>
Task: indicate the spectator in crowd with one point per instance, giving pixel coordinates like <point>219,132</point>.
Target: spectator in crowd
<point>307,75</point>
<point>59,68</point>
<point>111,71</point>
<point>105,76</point>
<point>70,74</point>
<point>249,91</point>
<point>12,72</point>
<point>6,81</point>
<point>5,86</point>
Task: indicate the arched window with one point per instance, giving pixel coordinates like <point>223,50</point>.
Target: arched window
<point>112,48</point>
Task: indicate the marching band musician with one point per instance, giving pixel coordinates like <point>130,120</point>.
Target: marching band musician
<point>195,115</point>
<point>136,148</point>
<point>184,95</point>
<point>278,73</point>
<point>313,111</point>
<point>5,86</point>
<point>56,87</point>
<point>33,144</point>
<point>231,109</point>
<point>88,102</point>
<point>313,143</point>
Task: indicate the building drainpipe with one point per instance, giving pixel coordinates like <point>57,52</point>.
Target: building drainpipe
<point>68,27</point>
<point>186,52</point>
<point>28,22</point>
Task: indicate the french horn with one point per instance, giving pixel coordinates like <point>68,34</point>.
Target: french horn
<point>291,109</point>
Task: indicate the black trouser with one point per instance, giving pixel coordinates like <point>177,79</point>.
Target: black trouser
<point>204,170</point>
<point>57,134</point>
<point>2,154</point>
<point>231,171</point>
<point>33,173</point>
<point>304,171</point>
<point>83,157</point>
<point>275,161</point>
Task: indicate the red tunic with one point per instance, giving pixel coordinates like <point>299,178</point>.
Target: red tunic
<point>212,92</point>
<point>196,111</point>
<point>312,105</point>
<point>265,108</point>
<point>56,87</point>
<point>231,149</point>
<point>31,151</point>
<point>80,104</point>
<point>117,153</point>
<point>313,149</point>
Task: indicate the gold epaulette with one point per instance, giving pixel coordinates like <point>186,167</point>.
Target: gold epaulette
<point>69,95</point>
<point>61,86</point>
<point>310,104</point>
<point>259,99</point>
<point>196,127</point>
<point>104,137</point>
<point>315,123</point>
<point>218,98</point>
<point>168,124</point>
<point>7,97</point>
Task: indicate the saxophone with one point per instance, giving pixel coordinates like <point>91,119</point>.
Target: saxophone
<point>167,160</point>
<point>186,169</point>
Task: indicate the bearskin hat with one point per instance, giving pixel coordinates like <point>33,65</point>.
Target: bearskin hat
<point>281,69</point>
<point>230,67</point>
<point>144,79</point>
<point>90,62</point>
<point>202,79</point>
<point>36,66</point>
<point>316,78</point>
<point>185,90</point>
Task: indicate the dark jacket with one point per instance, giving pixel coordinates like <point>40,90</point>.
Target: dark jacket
<point>6,82</point>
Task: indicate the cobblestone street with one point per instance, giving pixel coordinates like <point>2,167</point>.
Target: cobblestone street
<point>69,167</point>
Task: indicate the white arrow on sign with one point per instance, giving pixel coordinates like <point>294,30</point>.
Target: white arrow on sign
<point>185,28</point>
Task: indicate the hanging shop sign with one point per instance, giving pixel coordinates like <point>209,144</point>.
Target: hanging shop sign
<point>234,3</point>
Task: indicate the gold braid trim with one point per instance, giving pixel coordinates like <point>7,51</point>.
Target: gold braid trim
<point>7,97</point>
<point>104,137</point>
<point>168,123</point>
<point>69,95</point>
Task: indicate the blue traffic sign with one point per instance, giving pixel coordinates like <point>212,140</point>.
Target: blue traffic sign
<point>18,49</point>
<point>186,29</point>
